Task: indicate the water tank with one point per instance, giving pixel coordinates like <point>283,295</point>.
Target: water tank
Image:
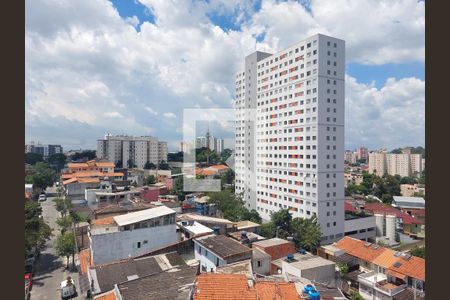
<point>301,251</point>
<point>390,227</point>
<point>184,223</point>
<point>314,295</point>
<point>290,257</point>
<point>308,288</point>
<point>243,234</point>
<point>379,224</point>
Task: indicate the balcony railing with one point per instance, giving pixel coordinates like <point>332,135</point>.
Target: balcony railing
<point>380,283</point>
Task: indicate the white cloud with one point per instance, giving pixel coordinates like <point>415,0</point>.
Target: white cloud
<point>151,110</point>
<point>392,116</point>
<point>134,21</point>
<point>169,115</point>
<point>84,61</point>
<point>113,114</point>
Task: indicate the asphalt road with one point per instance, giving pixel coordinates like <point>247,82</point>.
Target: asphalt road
<point>51,269</point>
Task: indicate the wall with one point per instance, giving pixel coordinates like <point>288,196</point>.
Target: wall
<point>361,224</point>
<point>264,269</point>
<point>207,259</point>
<point>120,245</point>
<point>322,274</point>
<point>278,251</point>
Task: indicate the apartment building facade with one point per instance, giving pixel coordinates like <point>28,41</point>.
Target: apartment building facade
<point>404,164</point>
<point>44,150</point>
<point>363,153</point>
<point>290,132</point>
<point>350,157</point>
<point>132,151</point>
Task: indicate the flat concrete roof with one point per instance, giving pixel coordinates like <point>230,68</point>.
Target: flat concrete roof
<point>271,242</point>
<point>305,261</point>
<point>196,228</point>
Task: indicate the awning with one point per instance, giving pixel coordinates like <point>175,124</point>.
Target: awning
<point>397,275</point>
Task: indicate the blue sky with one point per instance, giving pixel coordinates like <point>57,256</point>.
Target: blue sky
<point>133,66</point>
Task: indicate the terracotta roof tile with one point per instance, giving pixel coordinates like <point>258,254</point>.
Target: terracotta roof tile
<point>111,295</point>
<point>413,267</point>
<point>276,291</point>
<point>385,259</point>
<point>224,287</point>
<point>85,260</point>
<point>387,209</point>
<point>103,221</point>
<point>358,249</point>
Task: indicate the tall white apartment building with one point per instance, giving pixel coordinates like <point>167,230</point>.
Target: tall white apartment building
<point>404,164</point>
<point>290,132</point>
<point>350,157</point>
<point>132,151</point>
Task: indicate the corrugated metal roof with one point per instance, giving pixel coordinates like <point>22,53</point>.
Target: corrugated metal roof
<point>143,215</point>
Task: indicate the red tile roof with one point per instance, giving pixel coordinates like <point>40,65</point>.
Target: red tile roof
<point>85,260</point>
<point>111,295</point>
<point>349,206</point>
<point>103,221</point>
<point>212,286</point>
<point>276,291</point>
<point>387,209</point>
<point>358,249</point>
<point>411,267</point>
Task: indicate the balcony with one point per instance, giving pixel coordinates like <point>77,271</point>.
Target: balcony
<point>380,282</point>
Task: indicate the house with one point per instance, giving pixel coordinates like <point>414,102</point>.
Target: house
<point>306,265</point>
<point>386,274</point>
<point>248,226</point>
<point>103,277</point>
<point>153,191</point>
<point>190,229</point>
<point>261,262</point>
<point>212,286</point>
<point>176,283</point>
<point>217,250</point>
<point>246,238</point>
<point>111,210</point>
<point>129,235</point>
<point>276,247</point>
<point>224,226</point>
<point>242,267</point>
<point>408,190</point>
<point>408,202</point>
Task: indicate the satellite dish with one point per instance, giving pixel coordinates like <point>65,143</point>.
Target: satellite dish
<point>279,271</point>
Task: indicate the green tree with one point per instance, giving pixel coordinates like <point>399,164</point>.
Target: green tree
<point>422,178</point>
<point>149,166</point>
<point>57,160</point>
<point>418,251</point>
<point>387,198</point>
<point>268,230</point>
<point>177,156</point>
<point>86,154</point>
<point>150,180</point>
<point>355,296</point>
<point>282,221</point>
<point>37,232</point>
<point>43,176</point>
<point>130,164</point>
<point>62,205</point>
<point>163,165</point>
<point>65,246</point>
<point>343,268</point>
<point>408,180</point>
<point>33,158</point>
<point>65,223</point>
<point>306,233</point>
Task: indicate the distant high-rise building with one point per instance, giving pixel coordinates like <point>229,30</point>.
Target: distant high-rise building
<point>363,153</point>
<point>290,132</point>
<point>44,150</point>
<point>404,164</point>
<point>219,145</point>
<point>209,142</point>
<point>350,157</point>
<point>186,147</point>
<point>132,151</point>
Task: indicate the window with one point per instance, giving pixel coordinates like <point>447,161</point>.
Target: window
<point>259,264</point>
<point>217,261</point>
<point>138,245</point>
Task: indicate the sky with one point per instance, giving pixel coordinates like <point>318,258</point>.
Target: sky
<point>131,66</point>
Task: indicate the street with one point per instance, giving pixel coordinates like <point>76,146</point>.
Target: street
<point>51,269</point>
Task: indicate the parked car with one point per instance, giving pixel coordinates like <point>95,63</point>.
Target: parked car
<point>42,197</point>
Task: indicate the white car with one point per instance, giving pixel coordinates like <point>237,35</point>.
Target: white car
<point>42,197</point>
<point>68,288</point>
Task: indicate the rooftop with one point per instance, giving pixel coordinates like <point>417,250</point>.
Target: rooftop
<point>267,290</point>
<point>143,215</point>
<point>204,218</point>
<point>222,246</point>
<point>241,225</point>
<point>175,283</point>
<point>107,275</point>
<point>111,295</point>
<point>271,242</point>
<point>387,209</point>
<point>360,249</point>
<point>212,286</point>
<point>413,202</point>
<point>304,261</point>
<point>196,228</point>
<point>242,267</point>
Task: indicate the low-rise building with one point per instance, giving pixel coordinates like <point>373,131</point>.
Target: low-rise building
<point>386,274</point>
<point>217,250</point>
<point>223,226</point>
<point>132,234</point>
<point>408,190</point>
<point>352,179</point>
<point>275,247</point>
<point>248,226</point>
<point>190,229</point>
<point>306,265</point>
<point>408,202</point>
